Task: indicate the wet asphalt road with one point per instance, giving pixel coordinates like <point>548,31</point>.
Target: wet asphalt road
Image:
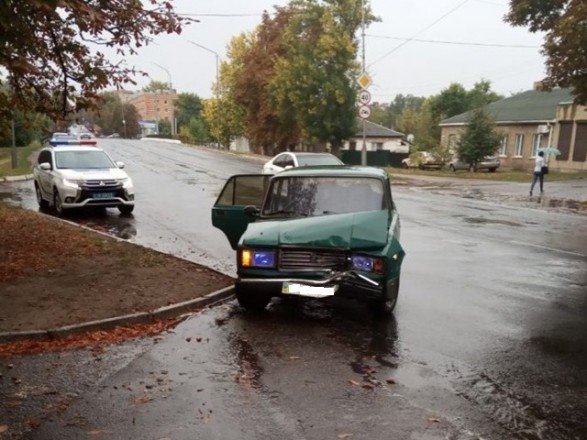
<point>489,339</point>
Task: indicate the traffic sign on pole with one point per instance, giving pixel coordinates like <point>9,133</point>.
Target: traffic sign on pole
<point>364,97</point>
<point>364,111</point>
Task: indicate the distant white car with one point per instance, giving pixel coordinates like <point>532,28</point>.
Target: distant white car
<point>422,160</point>
<point>71,176</point>
<point>288,160</point>
<point>489,163</point>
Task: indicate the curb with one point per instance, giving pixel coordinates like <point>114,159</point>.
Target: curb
<point>174,310</point>
<point>17,178</point>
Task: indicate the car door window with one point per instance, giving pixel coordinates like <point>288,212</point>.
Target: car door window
<point>279,161</point>
<point>45,156</point>
<point>289,161</point>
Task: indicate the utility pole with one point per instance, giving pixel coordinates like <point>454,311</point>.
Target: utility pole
<point>14,157</point>
<point>364,147</point>
<point>172,106</point>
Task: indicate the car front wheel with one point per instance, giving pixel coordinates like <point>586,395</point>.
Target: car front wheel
<point>385,306</point>
<point>40,200</point>
<point>250,300</point>
<point>57,203</point>
<point>492,170</point>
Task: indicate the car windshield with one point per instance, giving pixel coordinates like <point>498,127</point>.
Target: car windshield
<point>77,160</point>
<point>318,159</point>
<point>314,196</point>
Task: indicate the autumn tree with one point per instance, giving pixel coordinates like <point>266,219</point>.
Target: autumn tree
<point>480,138</point>
<point>156,86</point>
<point>316,77</point>
<point>53,53</point>
<point>114,116</point>
<point>187,107</point>
<point>565,25</point>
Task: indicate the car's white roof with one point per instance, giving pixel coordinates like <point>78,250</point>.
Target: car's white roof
<point>74,148</point>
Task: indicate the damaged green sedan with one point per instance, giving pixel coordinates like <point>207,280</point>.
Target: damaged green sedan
<point>313,232</point>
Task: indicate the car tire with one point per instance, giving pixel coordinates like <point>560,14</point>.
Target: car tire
<point>126,209</point>
<point>57,202</point>
<point>492,170</point>
<point>384,307</point>
<point>249,300</point>
<point>452,168</point>
<point>406,166</point>
<point>43,204</point>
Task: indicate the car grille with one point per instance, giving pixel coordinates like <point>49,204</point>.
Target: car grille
<point>311,259</point>
<point>101,184</point>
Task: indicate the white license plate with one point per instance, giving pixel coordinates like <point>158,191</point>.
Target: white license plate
<point>309,291</point>
<point>103,195</point>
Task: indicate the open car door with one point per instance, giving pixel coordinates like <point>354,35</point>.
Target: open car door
<point>228,213</point>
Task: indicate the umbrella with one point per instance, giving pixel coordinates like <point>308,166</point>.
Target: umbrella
<point>550,151</point>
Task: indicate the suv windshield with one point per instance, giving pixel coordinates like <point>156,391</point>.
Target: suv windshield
<point>77,160</point>
<point>318,159</point>
<point>313,196</point>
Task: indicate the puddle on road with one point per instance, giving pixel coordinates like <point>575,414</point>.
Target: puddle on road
<point>482,221</point>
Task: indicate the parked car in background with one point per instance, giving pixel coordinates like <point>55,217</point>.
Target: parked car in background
<point>68,176</point>
<point>313,232</point>
<point>288,159</point>
<point>423,160</point>
<point>489,163</point>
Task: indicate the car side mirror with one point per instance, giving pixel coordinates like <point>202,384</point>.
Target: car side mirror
<point>252,211</point>
<point>45,166</point>
<point>287,167</point>
<point>120,165</point>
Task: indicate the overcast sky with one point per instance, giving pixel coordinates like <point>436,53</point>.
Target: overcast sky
<point>484,46</point>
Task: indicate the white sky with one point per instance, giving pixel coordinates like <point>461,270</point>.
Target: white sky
<point>417,68</point>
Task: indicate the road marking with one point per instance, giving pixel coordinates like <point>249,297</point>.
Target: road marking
<point>576,254</point>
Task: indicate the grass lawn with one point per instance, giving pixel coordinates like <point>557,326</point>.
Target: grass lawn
<point>499,175</point>
<point>22,161</point>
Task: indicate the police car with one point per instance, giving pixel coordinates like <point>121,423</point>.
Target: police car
<point>74,173</point>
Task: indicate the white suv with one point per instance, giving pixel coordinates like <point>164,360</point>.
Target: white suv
<point>76,176</point>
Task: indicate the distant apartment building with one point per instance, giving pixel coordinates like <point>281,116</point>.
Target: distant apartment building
<point>153,106</point>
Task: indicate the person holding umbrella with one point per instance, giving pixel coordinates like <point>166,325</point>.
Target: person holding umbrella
<point>539,171</point>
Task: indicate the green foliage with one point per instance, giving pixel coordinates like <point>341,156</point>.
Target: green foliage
<point>479,139</point>
<point>112,116</point>
<point>156,86</point>
<point>165,128</point>
<point>28,128</point>
<point>195,132</point>
<point>564,23</point>
<point>53,51</point>
<point>188,106</point>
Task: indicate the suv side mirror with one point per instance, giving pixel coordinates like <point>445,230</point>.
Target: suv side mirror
<point>120,165</point>
<point>45,166</point>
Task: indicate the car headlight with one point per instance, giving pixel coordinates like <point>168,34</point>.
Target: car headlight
<point>258,258</point>
<point>75,183</point>
<point>367,264</point>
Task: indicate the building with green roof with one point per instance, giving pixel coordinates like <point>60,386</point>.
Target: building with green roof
<point>531,120</point>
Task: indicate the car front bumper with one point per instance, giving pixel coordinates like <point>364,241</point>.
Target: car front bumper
<point>81,197</point>
<point>348,284</point>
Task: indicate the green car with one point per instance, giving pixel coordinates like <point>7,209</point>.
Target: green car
<point>313,232</point>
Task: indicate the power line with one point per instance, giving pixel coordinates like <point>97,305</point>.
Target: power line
<point>462,43</point>
<point>419,32</point>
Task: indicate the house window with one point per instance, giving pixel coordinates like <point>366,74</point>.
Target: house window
<point>536,144</point>
<point>378,145</point>
<point>519,145</point>
<point>353,145</point>
<point>503,146</point>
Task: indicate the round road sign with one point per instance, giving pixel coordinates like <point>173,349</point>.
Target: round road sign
<point>364,111</point>
<point>364,97</point>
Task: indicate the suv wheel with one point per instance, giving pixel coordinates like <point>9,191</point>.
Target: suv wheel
<point>40,200</point>
<point>250,300</point>
<point>452,168</point>
<point>126,209</point>
<point>57,203</point>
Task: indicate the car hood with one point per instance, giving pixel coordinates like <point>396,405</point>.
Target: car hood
<point>92,174</point>
<point>359,230</point>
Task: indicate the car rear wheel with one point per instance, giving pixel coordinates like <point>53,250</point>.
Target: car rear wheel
<point>492,170</point>
<point>40,200</point>
<point>57,203</point>
<point>125,209</point>
<point>250,300</point>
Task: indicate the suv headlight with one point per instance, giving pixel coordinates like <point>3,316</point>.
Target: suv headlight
<point>74,183</point>
<point>367,264</point>
<point>258,258</point>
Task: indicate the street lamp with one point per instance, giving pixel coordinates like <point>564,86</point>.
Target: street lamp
<point>172,116</point>
<point>217,84</point>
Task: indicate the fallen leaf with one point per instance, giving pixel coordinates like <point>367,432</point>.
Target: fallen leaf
<point>100,432</point>
<point>3,428</point>
<point>354,382</point>
<point>433,420</point>
<point>294,358</point>
<point>391,381</point>
<point>344,436</point>
<point>368,386</point>
<point>141,400</point>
